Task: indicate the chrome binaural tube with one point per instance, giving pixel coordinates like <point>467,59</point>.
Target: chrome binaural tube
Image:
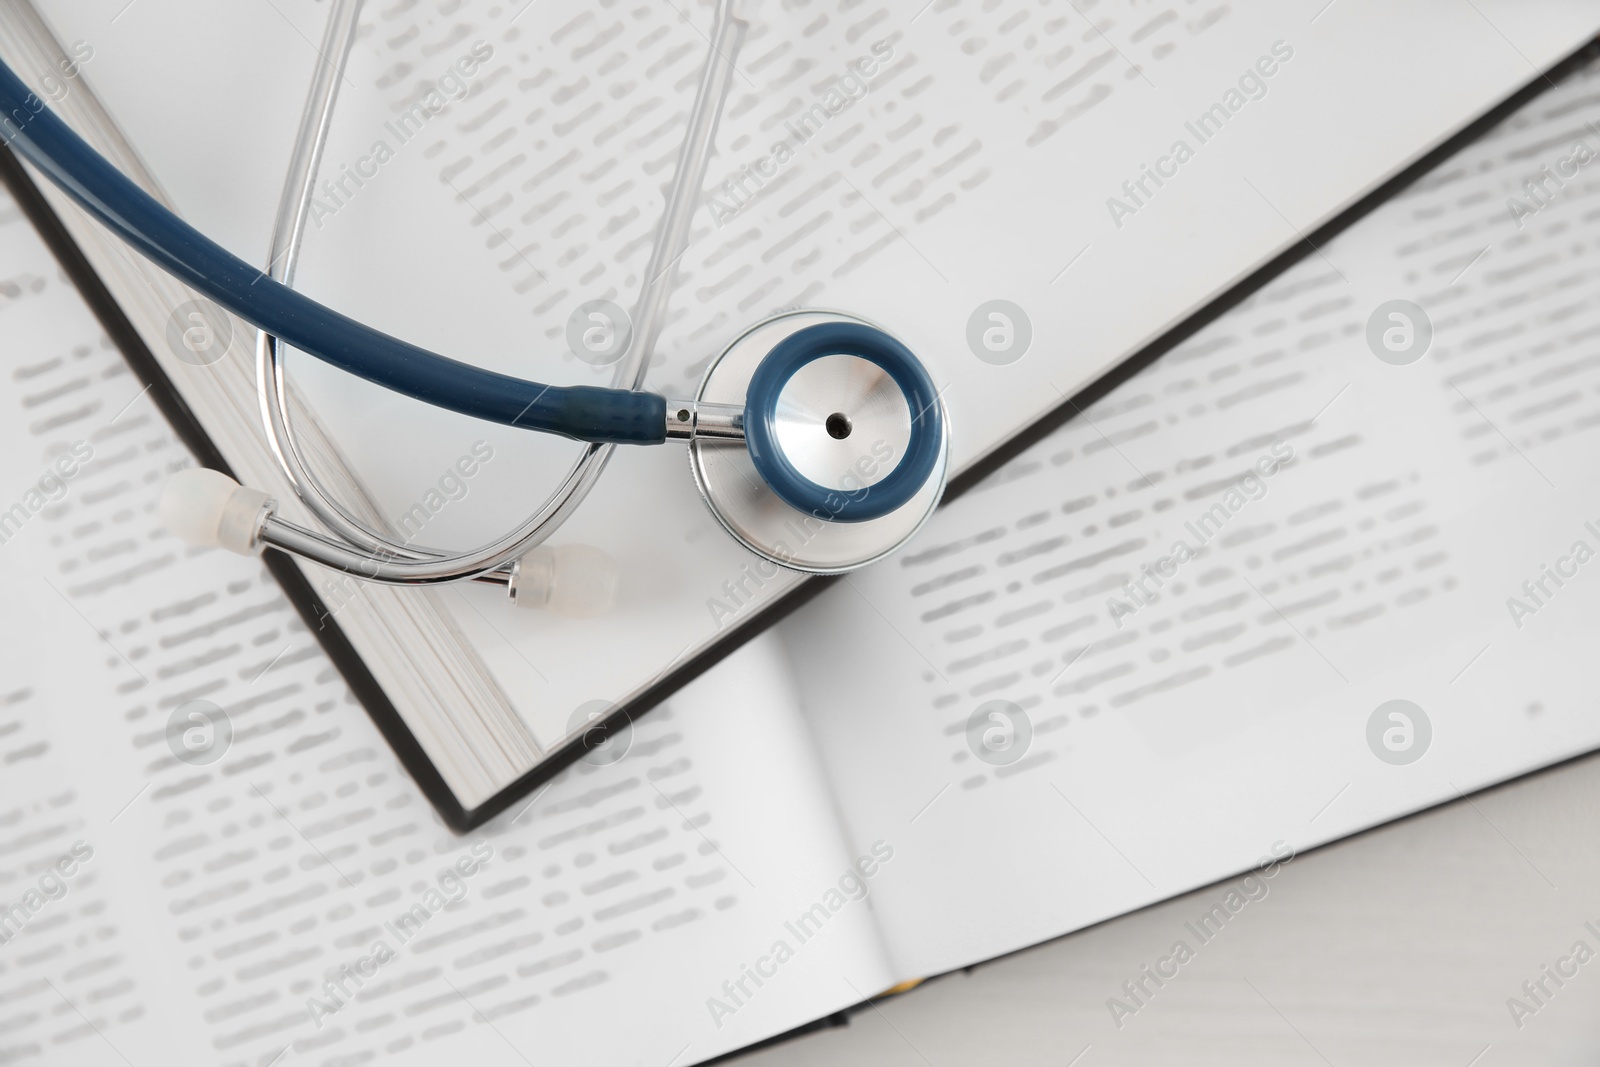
<point>355,547</point>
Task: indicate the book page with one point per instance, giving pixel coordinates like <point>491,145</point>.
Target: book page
<point>1328,561</point>
<point>935,160</point>
<point>212,857</point>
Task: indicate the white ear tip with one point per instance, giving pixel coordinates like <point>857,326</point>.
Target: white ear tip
<point>192,503</point>
<point>576,581</point>
<point>208,509</point>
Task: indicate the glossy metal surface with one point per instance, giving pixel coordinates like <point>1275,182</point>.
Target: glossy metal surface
<point>689,419</point>
<point>837,420</point>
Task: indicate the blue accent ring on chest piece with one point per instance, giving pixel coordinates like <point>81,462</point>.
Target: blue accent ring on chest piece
<point>923,448</point>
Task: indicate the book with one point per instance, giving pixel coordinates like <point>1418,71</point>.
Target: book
<point>1153,159</point>
<point>213,857</point>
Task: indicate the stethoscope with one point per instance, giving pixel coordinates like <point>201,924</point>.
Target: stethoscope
<point>817,439</point>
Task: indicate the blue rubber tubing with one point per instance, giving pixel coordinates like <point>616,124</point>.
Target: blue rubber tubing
<point>583,413</point>
<point>923,449</point>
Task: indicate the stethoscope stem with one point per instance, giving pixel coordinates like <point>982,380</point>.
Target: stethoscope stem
<point>696,420</point>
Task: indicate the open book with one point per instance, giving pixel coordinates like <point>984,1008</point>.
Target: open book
<point>1101,173</point>
<point>212,857</point>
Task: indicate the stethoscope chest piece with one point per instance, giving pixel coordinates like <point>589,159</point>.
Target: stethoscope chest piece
<point>846,442</point>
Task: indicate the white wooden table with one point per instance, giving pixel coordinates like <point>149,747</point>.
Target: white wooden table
<point>1399,946</point>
